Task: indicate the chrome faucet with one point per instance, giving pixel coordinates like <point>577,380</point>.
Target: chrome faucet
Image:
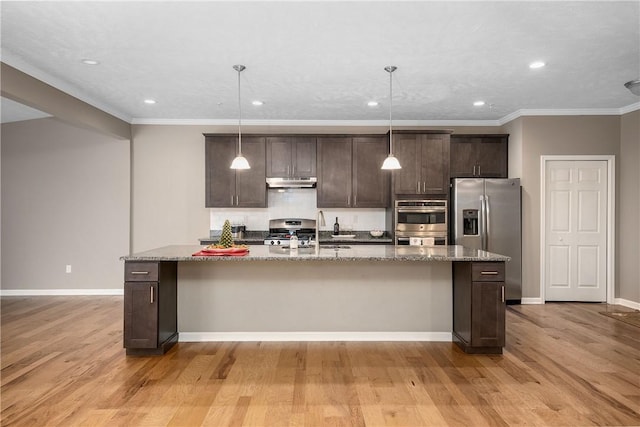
<point>319,222</point>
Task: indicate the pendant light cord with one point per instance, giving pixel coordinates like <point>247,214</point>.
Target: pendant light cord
<point>390,107</point>
<point>239,115</point>
<point>390,69</point>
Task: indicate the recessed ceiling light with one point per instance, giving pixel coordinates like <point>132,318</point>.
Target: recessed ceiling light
<point>257,102</point>
<point>537,64</point>
<point>149,101</point>
<point>372,103</point>
<point>478,103</point>
<point>90,62</point>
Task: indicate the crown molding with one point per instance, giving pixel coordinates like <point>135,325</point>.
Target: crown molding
<point>397,124</point>
<point>630,108</point>
<point>569,112</point>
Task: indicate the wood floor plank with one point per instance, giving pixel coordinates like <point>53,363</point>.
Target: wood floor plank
<point>563,365</point>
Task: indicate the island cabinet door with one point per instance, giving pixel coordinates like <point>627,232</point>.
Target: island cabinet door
<point>141,314</point>
<point>487,314</point>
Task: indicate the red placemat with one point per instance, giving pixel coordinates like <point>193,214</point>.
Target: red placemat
<point>210,252</point>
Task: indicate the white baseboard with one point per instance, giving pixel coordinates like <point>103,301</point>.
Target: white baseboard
<point>49,292</point>
<point>314,336</point>
<point>627,303</point>
<point>618,301</point>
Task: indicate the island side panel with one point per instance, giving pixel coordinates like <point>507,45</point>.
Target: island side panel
<point>317,296</point>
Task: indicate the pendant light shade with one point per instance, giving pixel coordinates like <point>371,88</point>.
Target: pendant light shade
<point>391,162</point>
<point>240,162</point>
<point>633,86</point>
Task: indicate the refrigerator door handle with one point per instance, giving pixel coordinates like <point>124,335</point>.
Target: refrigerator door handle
<point>483,224</point>
<point>487,211</point>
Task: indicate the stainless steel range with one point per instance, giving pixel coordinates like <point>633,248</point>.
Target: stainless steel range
<point>281,230</point>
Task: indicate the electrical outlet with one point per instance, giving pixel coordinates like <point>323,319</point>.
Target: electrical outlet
<point>68,268</point>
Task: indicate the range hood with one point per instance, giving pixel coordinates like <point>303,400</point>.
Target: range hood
<point>309,182</point>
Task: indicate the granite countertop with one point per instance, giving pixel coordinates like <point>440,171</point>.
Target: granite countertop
<point>257,237</point>
<point>336,252</point>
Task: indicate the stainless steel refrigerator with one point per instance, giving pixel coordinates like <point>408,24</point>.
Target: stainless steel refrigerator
<point>486,214</point>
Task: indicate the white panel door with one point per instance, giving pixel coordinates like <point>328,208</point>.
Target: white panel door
<point>576,230</point>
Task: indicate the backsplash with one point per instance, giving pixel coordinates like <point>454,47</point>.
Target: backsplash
<point>297,203</point>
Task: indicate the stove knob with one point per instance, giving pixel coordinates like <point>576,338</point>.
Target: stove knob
<point>272,242</point>
<point>278,243</point>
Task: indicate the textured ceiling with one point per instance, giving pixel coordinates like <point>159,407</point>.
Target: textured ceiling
<point>325,60</point>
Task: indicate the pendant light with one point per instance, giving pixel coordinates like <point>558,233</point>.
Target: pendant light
<point>391,162</point>
<point>633,86</point>
<point>240,162</point>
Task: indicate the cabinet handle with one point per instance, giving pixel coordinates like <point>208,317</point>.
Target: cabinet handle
<point>288,170</point>
<point>489,273</point>
<point>502,293</point>
<point>418,184</point>
<point>474,170</point>
<point>151,294</point>
<point>237,200</point>
<point>349,200</point>
<point>232,200</point>
<point>479,172</point>
<point>424,186</point>
<point>140,272</point>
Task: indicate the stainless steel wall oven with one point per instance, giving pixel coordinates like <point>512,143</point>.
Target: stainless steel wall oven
<point>421,219</point>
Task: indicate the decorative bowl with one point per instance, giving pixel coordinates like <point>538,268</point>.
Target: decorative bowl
<point>376,233</point>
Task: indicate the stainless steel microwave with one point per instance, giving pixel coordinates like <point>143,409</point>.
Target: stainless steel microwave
<point>421,216</point>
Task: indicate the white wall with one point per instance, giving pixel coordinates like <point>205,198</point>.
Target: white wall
<point>298,203</point>
<point>65,200</point>
<point>555,135</point>
<point>514,129</point>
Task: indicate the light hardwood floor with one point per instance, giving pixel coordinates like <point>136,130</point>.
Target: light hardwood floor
<point>564,365</point>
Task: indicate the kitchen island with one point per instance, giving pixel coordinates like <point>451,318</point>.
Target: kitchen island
<point>336,292</point>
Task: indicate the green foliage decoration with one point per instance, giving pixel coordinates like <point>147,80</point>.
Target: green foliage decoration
<point>226,240</point>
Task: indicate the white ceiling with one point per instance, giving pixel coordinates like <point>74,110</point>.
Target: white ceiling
<point>325,60</point>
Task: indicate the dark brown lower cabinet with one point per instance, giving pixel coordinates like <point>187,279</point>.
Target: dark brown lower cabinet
<point>150,307</point>
<point>479,306</point>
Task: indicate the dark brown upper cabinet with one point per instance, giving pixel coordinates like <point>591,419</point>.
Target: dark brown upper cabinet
<point>482,156</point>
<point>228,188</point>
<point>291,156</point>
<point>349,174</point>
<point>370,184</point>
<point>424,158</point>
